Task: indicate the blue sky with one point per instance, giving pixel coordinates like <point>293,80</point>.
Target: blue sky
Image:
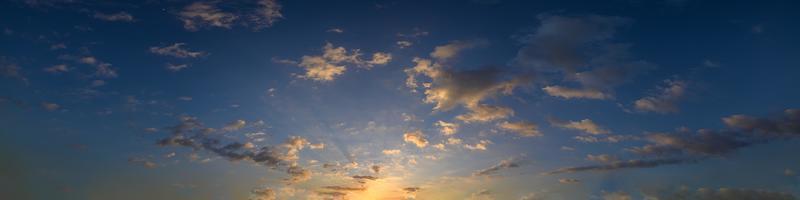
<point>271,99</point>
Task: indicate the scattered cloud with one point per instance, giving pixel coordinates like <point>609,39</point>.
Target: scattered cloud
<point>57,69</point>
<point>572,93</point>
<point>415,137</point>
<point>585,125</point>
<point>333,61</point>
<point>602,158</point>
<point>450,50</point>
<point>114,17</point>
<point>504,164</point>
<point>404,44</point>
<point>335,30</point>
<point>666,101</point>
<point>258,15</point>
<point>391,151</point>
<point>176,50</point>
<point>523,128</point>
<point>447,128</point>
<point>621,165</point>
<point>481,145</point>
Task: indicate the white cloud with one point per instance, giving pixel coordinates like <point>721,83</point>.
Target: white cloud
<point>235,125</point>
<point>447,128</point>
<point>450,50</point>
<point>333,61</point>
<point>666,101</point>
<point>481,145</point>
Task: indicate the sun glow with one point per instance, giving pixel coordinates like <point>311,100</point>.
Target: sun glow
<point>384,189</point>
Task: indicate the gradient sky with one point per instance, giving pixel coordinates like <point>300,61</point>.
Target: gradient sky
<point>482,99</point>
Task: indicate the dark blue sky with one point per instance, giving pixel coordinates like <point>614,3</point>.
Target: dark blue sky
<point>484,99</point>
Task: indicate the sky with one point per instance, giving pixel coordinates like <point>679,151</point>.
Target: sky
<point>481,99</point>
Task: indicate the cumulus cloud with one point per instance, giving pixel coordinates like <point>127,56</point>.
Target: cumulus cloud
<point>120,16</point>
<point>523,128</point>
<point>585,125</point>
<point>415,137</point>
<point>447,128</point>
<point>448,89</point>
<point>666,101</point>
<point>582,50</point>
<point>504,164</point>
<point>450,50</point>
<point>333,61</point>
<point>176,50</point>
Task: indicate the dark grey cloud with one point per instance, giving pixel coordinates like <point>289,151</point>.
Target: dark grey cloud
<point>684,193</point>
<point>621,165</point>
<point>504,164</point>
<point>786,125</point>
<point>582,49</point>
<point>702,142</point>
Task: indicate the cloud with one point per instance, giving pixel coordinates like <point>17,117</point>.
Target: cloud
<point>333,61</point>
<point>481,145</point>
<point>191,133</point>
<point>449,89</point>
<point>481,195</point>
<point>621,165</point>
<point>450,50</point>
<point>205,14</point>
<point>704,142</point>
<point>523,128</point>
<point>391,151</point>
<point>605,138</point>
<point>415,137</point>
<point>335,30</point>
<point>404,44</point>
<point>447,128</point>
<point>144,162</point>
<point>176,50</point>
<point>602,158</point>
<point>176,67</point>
<point>485,113</point>
<point>721,193</point>
<point>666,101</point>
<point>50,106</point>
<point>10,70</point>
<point>120,16</point>
<point>572,93</point>
<point>786,125</point>
<point>263,194</point>
<point>616,196</point>
<point>504,164</point>
<point>581,49</point>
<point>235,125</point>
<point>568,181</point>
<point>267,12</point>
<point>585,125</point>
<point>102,69</point>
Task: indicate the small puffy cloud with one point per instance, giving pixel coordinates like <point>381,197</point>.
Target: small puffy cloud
<point>50,106</point>
<point>102,69</point>
<point>404,44</point>
<point>453,141</point>
<point>391,151</point>
<point>57,69</point>
<point>664,102</point>
<point>176,67</point>
<point>416,137</point>
<point>205,14</point>
<point>523,128</point>
<point>504,164</point>
<point>120,16</point>
<point>452,49</point>
<point>447,128</point>
<point>585,125</point>
<point>176,50</point>
<point>333,62</point>
<point>481,145</point>
<point>266,13</point>
<point>570,93</point>
<point>235,125</point>
<point>335,30</point>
